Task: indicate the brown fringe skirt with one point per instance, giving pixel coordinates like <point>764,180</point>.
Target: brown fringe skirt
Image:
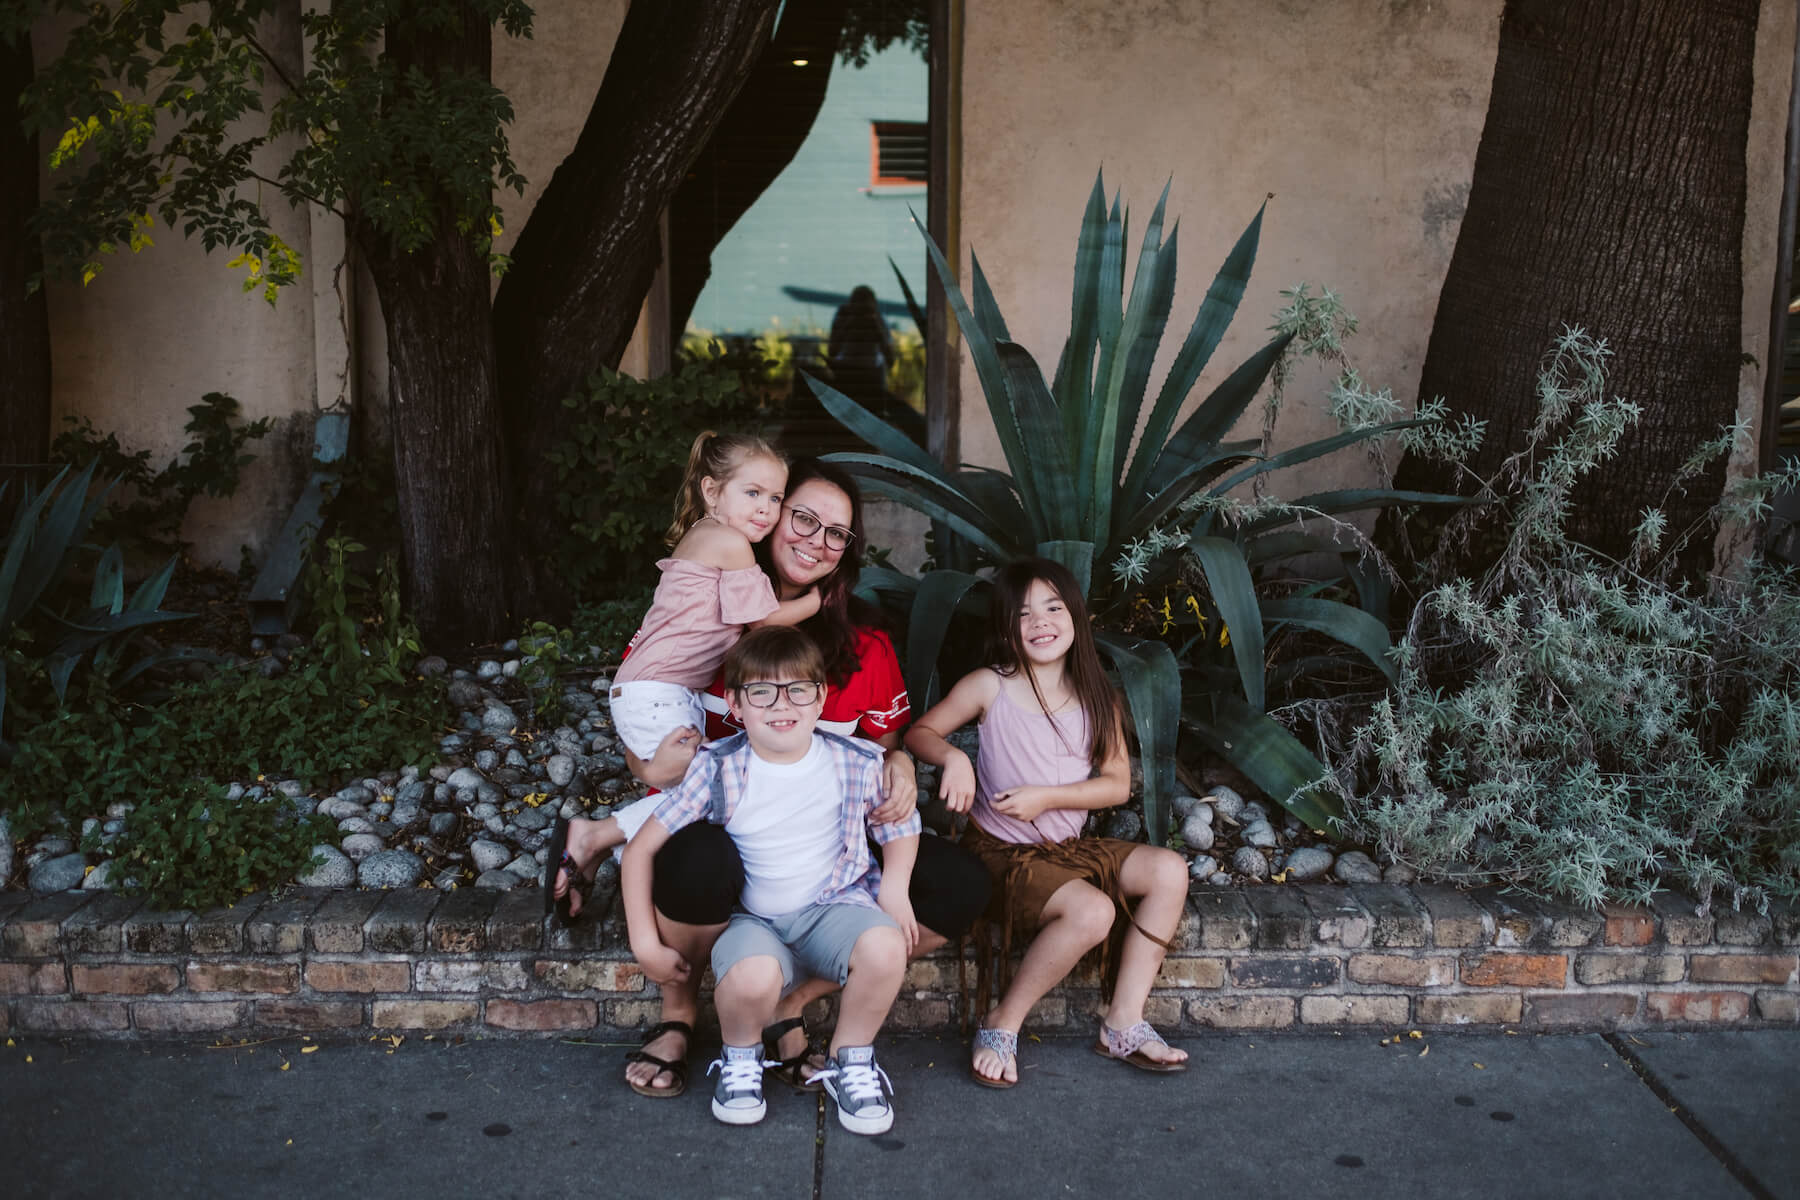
<point>1027,875</point>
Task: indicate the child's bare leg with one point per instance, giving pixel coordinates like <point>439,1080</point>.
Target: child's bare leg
<point>794,1003</point>
<point>877,965</point>
<point>1156,880</point>
<point>746,999</point>
<point>588,840</point>
<point>680,1001</point>
<point>1077,918</point>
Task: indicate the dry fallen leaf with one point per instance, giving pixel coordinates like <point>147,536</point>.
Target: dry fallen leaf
<point>1414,1034</point>
<point>307,1049</point>
<point>1424,1050</point>
<point>284,1064</point>
<point>28,1058</point>
<point>1479,1067</point>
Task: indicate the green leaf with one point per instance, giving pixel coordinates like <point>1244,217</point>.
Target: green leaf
<point>1216,312</point>
<point>1272,758</point>
<point>1351,626</point>
<point>1234,593</point>
<point>934,604</point>
<point>1075,369</point>
<point>108,591</point>
<point>1151,679</point>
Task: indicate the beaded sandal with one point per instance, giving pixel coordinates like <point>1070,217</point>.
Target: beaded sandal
<point>1003,1042</point>
<point>1127,1045</point>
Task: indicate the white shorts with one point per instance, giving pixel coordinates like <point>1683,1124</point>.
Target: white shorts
<point>644,712</point>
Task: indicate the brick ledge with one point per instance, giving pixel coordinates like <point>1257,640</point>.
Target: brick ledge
<point>1287,956</point>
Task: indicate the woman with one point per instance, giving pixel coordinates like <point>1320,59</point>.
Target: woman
<point>698,875</point>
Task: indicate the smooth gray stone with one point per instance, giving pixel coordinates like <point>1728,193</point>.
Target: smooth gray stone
<point>335,871</point>
<point>356,793</point>
<point>413,791</point>
<point>1204,867</point>
<point>1196,832</point>
<point>431,666</point>
<point>57,874</point>
<point>1398,873</point>
<point>1250,862</point>
<point>1225,802</point>
<point>486,760</point>
<point>498,717</point>
<point>53,847</point>
<point>488,855</point>
<point>524,866</point>
<point>338,808</point>
<point>362,846</point>
<point>560,768</point>
<point>532,819</point>
<point>466,777</point>
<point>498,880</point>
<point>1124,825</point>
<point>391,869</point>
<point>487,669</point>
<point>100,879</point>
<point>356,825</point>
<point>1261,835</point>
<point>443,824</point>
<point>1308,862</point>
<point>1353,866</point>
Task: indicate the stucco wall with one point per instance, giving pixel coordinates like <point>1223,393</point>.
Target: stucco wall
<point>1363,120</point>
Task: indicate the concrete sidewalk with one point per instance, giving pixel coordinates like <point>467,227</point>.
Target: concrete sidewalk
<point>1289,1115</point>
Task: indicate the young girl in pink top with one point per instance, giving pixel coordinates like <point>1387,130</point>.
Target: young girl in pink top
<point>711,589</point>
<point>1053,749</point>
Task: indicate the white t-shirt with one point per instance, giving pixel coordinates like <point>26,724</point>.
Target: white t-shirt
<point>786,831</point>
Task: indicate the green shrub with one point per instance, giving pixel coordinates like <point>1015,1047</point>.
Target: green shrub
<point>211,464</point>
<point>621,466</point>
<point>1576,725</point>
<point>192,846</point>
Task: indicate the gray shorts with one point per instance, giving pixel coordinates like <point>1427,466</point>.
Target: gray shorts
<point>812,943</point>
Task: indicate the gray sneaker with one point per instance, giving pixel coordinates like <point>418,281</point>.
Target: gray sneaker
<point>737,1097</point>
<point>861,1089</point>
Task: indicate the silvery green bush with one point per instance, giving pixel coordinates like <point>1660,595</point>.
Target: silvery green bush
<point>1582,726</point>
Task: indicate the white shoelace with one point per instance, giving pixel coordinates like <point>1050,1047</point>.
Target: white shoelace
<point>739,1074</point>
<point>860,1082</point>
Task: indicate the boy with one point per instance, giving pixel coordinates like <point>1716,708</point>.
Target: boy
<point>796,802</point>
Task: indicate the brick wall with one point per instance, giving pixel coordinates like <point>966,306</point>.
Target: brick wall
<point>1270,957</point>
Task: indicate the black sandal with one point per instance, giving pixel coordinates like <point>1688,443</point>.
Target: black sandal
<point>677,1068</point>
<point>559,860</point>
<point>787,1070</point>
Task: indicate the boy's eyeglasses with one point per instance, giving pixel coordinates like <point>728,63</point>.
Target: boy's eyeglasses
<point>805,524</point>
<point>800,693</point>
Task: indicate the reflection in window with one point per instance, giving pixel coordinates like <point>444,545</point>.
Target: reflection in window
<point>783,240</point>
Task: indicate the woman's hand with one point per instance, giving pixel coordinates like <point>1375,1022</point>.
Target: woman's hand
<point>899,906</point>
<point>1024,803</point>
<point>957,783</point>
<point>899,789</point>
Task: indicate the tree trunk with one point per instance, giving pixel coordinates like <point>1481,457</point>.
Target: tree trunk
<point>584,260</point>
<point>754,142</point>
<point>450,473</point>
<point>1608,193</point>
<point>24,315</point>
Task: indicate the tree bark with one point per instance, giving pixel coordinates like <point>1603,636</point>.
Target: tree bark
<point>24,314</point>
<point>452,478</point>
<point>754,142</point>
<point>584,260</point>
<point>1608,192</point>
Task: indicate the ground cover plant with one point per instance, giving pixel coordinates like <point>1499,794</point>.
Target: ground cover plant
<point>1588,726</point>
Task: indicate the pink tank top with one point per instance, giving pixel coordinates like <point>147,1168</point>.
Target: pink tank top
<point>699,613</point>
<point>1021,747</point>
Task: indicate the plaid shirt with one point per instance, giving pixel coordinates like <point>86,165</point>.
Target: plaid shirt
<point>715,783</point>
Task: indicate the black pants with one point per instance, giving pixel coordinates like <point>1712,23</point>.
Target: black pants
<point>699,876</point>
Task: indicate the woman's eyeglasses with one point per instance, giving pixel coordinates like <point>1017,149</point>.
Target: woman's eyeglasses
<point>805,524</point>
<point>800,693</point>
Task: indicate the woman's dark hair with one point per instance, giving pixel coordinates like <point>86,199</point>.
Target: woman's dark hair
<point>1081,668</point>
<point>841,612</point>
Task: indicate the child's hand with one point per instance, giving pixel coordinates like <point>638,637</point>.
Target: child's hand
<point>899,789</point>
<point>957,785</point>
<point>1023,803</point>
<point>663,964</point>
<point>675,753</point>
<point>900,908</point>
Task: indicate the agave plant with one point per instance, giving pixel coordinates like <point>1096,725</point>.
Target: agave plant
<point>1076,490</point>
<point>43,540</point>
